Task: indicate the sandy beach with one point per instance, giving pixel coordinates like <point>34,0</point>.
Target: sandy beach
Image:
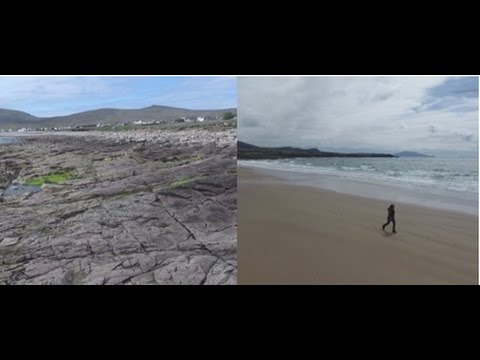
<point>290,234</point>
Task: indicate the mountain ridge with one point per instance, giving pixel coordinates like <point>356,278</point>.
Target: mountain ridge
<point>411,154</point>
<point>8,115</point>
<point>15,118</point>
<point>252,152</point>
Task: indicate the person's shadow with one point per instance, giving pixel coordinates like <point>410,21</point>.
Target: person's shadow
<point>386,233</point>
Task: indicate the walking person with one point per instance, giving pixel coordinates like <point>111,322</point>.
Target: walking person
<point>391,217</point>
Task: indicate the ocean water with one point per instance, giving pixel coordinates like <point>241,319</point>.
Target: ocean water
<point>13,190</point>
<point>8,140</point>
<point>441,173</point>
<point>440,182</point>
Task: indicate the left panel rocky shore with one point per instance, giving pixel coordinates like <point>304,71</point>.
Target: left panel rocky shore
<point>135,207</point>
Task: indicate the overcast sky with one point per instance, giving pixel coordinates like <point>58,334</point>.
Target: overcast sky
<point>62,95</point>
<point>427,114</point>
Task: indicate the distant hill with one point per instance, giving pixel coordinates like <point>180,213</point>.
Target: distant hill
<point>251,152</point>
<point>411,154</point>
<point>12,118</point>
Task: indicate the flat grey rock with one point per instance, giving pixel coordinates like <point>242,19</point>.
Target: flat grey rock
<point>9,241</point>
<point>140,209</point>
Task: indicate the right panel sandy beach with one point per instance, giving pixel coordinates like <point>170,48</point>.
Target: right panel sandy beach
<point>358,180</point>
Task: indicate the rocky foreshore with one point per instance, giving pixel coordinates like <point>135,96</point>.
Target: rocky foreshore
<point>134,207</point>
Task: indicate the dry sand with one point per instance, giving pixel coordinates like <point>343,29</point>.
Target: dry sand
<point>301,235</point>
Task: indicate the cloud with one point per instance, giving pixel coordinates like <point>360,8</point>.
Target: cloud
<point>49,95</point>
<point>60,95</point>
<point>44,88</point>
<point>386,113</point>
<point>201,93</point>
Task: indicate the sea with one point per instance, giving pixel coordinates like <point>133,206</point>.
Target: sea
<point>8,140</point>
<point>447,183</point>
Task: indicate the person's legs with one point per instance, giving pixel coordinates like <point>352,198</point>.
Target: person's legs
<point>393,221</point>
<point>388,222</point>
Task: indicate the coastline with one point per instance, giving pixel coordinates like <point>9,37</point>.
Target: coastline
<point>461,202</point>
<point>218,133</point>
<point>295,234</point>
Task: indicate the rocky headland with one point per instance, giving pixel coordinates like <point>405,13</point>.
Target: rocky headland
<point>253,152</point>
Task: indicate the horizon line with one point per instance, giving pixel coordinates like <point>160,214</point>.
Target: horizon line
<point>117,108</point>
<point>337,149</point>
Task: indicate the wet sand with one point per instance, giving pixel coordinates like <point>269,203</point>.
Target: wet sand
<point>290,234</point>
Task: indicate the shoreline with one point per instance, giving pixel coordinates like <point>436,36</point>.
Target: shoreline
<point>292,234</point>
<point>221,135</point>
<point>434,199</point>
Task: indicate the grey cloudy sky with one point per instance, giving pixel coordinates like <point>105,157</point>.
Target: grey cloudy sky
<point>430,114</point>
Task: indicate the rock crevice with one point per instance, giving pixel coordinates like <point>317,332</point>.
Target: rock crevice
<point>159,212</point>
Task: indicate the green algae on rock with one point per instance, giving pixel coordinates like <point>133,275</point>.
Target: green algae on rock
<point>53,178</point>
